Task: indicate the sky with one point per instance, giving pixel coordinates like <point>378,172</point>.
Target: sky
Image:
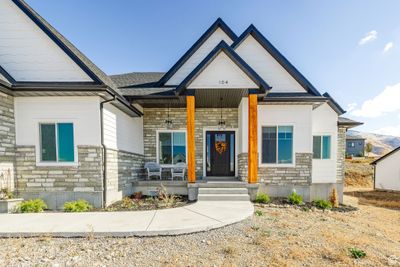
<point>348,48</point>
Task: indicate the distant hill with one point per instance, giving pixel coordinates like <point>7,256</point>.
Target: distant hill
<point>381,144</point>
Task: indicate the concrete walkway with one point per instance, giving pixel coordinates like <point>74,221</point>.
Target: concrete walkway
<point>197,217</point>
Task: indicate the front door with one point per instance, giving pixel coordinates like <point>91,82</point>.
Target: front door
<point>220,153</point>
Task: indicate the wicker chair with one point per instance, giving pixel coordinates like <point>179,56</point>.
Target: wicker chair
<point>179,170</point>
<point>153,169</point>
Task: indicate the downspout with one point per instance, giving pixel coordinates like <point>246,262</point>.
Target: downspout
<point>104,149</point>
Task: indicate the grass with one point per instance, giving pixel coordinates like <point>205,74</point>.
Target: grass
<point>383,199</point>
<point>357,253</point>
<point>359,173</point>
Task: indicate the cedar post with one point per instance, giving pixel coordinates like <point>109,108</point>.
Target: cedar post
<point>252,142</point>
<point>190,123</point>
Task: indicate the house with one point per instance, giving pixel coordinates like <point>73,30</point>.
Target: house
<point>387,171</point>
<point>355,146</point>
<point>232,107</point>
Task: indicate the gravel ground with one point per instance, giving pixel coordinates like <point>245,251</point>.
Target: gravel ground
<point>279,237</point>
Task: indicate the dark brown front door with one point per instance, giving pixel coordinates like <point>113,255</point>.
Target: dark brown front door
<point>220,153</point>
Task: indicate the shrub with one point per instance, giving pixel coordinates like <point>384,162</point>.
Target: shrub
<point>333,198</point>
<point>322,204</point>
<point>5,194</point>
<point>33,205</point>
<point>80,205</point>
<point>357,253</point>
<point>262,198</point>
<point>258,213</point>
<point>295,199</point>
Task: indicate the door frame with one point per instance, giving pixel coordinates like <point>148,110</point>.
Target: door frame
<point>216,129</point>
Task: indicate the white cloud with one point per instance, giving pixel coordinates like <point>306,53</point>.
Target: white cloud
<point>369,37</point>
<point>386,102</point>
<point>389,130</point>
<point>351,107</point>
<point>388,46</point>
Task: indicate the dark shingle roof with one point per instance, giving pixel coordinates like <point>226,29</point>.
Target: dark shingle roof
<point>142,79</point>
<point>348,122</point>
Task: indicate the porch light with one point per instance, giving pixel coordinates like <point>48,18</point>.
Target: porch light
<point>168,122</point>
<point>221,122</point>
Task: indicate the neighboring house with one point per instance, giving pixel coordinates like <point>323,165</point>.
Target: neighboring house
<point>232,107</point>
<point>387,171</point>
<point>355,146</point>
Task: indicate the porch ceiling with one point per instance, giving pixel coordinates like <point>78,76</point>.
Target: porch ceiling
<point>204,98</point>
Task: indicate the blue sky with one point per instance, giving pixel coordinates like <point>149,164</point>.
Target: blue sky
<point>338,45</point>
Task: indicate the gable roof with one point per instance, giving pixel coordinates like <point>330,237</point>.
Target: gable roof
<point>136,79</point>
<point>253,31</point>
<point>77,56</point>
<point>334,105</point>
<point>385,156</point>
<point>219,23</point>
<point>224,47</point>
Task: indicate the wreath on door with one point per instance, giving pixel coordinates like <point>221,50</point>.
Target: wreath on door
<point>220,147</point>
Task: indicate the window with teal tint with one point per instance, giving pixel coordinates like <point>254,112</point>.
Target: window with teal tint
<point>171,147</point>
<point>317,147</point>
<point>179,148</point>
<point>326,147</point>
<point>277,145</point>
<point>65,142</point>
<point>322,147</point>
<point>57,142</point>
<point>48,142</point>
<point>285,144</point>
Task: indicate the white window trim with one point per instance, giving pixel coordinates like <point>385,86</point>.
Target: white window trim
<point>282,165</point>
<point>158,148</point>
<point>330,152</point>
<point>38,147</point>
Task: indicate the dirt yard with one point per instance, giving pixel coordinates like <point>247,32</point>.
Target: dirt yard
<point>281,236</point>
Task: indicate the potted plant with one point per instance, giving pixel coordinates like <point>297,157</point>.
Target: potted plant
<point>8,203</point>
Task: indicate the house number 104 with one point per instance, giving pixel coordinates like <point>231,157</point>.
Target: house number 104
<point>223,81</point>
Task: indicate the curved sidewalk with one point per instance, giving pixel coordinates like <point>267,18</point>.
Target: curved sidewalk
<point>197,217</point>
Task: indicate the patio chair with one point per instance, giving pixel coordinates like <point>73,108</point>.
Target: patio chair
<point>179,170</point>
<point>153,169</point>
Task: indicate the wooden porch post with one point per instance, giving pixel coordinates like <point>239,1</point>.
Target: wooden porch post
<point>190,123</point>
<point>252,142</point>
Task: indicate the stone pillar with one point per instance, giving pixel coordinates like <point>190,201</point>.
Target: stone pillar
<point>252,140</point>
<point>190,124</point>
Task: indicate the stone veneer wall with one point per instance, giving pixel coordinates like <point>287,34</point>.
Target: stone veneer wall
<point>122,169</point>
<point>7,141</point>
<point>341,153</point>
<point>300,174</point>
<point>154,118</point>
<point>58,184</point>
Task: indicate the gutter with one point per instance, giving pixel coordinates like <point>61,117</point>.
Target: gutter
<point>104,148</point>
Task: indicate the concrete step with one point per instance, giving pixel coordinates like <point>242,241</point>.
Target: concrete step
<point>222,184</point>
<point>221,178</point>
<point>223,197</point>
<point>215,190</point>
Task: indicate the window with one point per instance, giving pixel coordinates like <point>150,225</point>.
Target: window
<point>322,147</point>
<point>57,142</point>
<point>277,144</point>
<point>171,147</point>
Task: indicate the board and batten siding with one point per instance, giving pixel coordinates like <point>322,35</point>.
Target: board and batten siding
<point>28,54</point>
<point>121,131</point>
<point>222,72</point>
<point>298,116</point>
<point>324,122</point>
<point>83,112</point>
<point>387,173</point>
<point>261,61</point>
<point>199,55</point>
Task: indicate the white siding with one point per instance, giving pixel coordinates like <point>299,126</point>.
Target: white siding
<point>222,72</point>
<point>122,131</point>
<point>267,67</point>
<point>83,112</point>
<point>325,123</point>
<point>28,54</point>
<point>298,116</point>
<point>387,173</point>
<point>198,56</point>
